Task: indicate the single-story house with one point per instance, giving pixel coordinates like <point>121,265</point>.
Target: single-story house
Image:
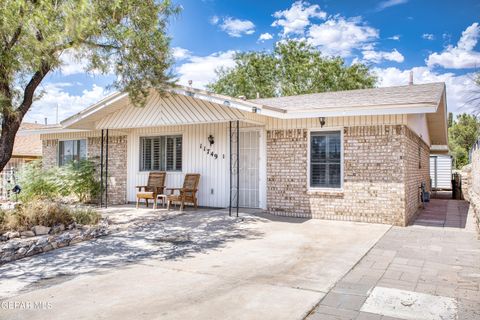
<point>357,155</point>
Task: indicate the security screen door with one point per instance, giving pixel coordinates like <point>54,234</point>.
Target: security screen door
<point>249,169</point>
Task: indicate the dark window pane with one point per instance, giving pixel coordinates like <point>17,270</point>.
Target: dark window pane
<point>325,158</point>
<point>334,175</point>
<point>318,147</point>
<point>71,150</point>
<point>317,174</point>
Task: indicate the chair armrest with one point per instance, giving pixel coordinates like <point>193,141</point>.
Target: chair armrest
<point>188,190</point>
<point>160,190</point>
<point>172,190</point>
<point>141,187</point>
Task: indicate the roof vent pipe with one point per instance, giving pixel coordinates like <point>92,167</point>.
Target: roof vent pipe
<point>410,81</point>
<point>258,95</point>
<point>190,82</point>
<point>46,121</point>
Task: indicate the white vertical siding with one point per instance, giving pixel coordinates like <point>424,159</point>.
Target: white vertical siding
<point>214,172</point>
<point>441,171</point>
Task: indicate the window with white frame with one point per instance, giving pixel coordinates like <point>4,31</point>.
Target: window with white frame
<point>161,153</point>
<point>71,150</point>
<point>325,159</point>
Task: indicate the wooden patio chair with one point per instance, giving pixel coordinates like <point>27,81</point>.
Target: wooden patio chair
<point>155,186</point>
<point>187,194</point>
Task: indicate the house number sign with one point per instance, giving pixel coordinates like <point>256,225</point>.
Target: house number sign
<point>210,152</point>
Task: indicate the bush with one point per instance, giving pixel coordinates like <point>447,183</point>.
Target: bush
<point>78,179</point>
<point>37,182</point>
<point>46,213</point>
<point>3,217</point>
<point>86,216</point>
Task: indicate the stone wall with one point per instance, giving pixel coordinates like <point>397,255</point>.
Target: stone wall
<point>472,188</point>
<point>117,163</point>
<point>375,171</point>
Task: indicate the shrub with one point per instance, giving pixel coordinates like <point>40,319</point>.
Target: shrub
<point>3,217</point>
<point>47,213</point>
<point>86,216</point>
<point>78,178</point>
<point>37,212</point>
<point>37,182</point>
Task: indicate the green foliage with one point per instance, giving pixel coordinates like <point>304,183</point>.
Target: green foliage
<point>463,133</point>
<point>127,37</point>
<point>294,67</point>
<point>124,37</point>
<point>78,179</point>
<point>38,183</point>
<point>86,216</point>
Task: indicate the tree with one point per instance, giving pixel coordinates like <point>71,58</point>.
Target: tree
<point>126,37</point>
<point>294,67</point>
<point>462,135</point>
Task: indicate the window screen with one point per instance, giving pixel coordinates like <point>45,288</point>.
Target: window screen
<point>325,159</point>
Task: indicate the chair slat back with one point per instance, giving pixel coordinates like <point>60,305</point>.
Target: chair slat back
<point>156,178</point>
<point>191,181</point>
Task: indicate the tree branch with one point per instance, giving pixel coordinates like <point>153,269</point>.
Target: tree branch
<point>30,88</point>
<point>100,45</point>
<point>14,39</point>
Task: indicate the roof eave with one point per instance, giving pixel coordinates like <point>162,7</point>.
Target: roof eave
<point>360,111</point>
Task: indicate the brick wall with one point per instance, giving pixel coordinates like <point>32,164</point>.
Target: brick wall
<point>117,163</point>
<point>417,164</point>
<point>49,153</point>
<point>375,167</point>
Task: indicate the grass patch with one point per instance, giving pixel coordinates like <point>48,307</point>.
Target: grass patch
<point>45,213</point>
<point>86,216</point>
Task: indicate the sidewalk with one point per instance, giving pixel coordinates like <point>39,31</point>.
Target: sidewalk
<point>430,270</point>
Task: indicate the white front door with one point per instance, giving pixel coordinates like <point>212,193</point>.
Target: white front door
<point>249,169</point>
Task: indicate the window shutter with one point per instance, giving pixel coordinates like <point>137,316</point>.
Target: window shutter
<point>161,153</point>
<point>156,153</point>
<point>178,153</point>
<point>170,154</point>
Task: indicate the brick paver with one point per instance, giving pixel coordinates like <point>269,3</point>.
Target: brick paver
<point>437,256</point>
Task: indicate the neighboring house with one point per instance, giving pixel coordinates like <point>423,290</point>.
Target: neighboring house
<point>25,149</point>
<point>357,155</point>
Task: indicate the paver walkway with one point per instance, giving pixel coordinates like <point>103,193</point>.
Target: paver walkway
<point>438,256</point>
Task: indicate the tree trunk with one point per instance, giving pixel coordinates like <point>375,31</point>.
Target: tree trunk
<point>10,126</point>
<point>12,118</point>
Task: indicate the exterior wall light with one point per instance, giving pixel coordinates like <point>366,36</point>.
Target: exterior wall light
<point>322,121</point>
<point>211,140</point>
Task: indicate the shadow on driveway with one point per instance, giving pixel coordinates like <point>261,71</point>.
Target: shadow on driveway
<point>173,237</point>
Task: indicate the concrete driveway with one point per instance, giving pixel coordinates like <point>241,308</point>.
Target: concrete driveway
<point>213,267</point>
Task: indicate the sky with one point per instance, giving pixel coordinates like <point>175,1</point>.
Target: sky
<point>437,40</point>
